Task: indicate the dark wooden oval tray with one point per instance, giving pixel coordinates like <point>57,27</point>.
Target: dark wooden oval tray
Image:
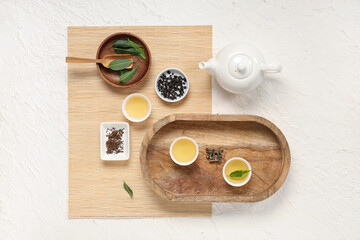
<point>111,76</point>
<point>252,137</point>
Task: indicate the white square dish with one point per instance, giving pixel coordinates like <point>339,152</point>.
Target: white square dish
<point>126,138</point>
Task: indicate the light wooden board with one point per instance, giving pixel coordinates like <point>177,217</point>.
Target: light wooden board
<point>95,186</point>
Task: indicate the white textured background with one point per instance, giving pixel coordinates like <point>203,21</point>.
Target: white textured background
<point>315,101</point>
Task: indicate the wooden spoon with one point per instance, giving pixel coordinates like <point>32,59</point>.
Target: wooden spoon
<point>105,61</point>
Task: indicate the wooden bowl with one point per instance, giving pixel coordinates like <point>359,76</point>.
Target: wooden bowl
<point>110,76</point>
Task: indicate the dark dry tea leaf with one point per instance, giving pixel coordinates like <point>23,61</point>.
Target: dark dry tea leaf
<point>128,189</point>
<point>171,86</point>
<point>119,64</point>
<point>239,173</point>
<point>131,51</point>
<point>115,143</point>
<point>138,49</point>
<point>123,44</point>
<point>214,156</point>
<point>127,76</point>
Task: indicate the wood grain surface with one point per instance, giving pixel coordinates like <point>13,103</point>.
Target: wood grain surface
<point>95,186</point>
<point>254,138</point>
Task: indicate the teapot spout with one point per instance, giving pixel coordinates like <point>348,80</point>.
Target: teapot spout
<point>210,65</point>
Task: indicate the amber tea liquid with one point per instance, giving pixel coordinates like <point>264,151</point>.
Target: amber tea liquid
<point>137,107</point>
<point>184,150</point>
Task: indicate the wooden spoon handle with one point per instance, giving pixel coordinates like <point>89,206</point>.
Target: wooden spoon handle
<point>82,60</point>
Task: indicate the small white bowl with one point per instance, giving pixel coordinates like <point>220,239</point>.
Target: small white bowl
<point>119,156</point>
<point>124,109</point>
<point>247,177</point>
<point>181,163</point>
<point>178,72</point>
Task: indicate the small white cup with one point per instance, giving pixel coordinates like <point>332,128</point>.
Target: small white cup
<point>182,163</point>
<point>124,108</point>
<point>247,177</point>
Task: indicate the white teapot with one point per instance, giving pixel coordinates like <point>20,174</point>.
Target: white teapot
<point>239,67</point>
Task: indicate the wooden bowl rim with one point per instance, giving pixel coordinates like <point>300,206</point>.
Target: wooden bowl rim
<point>101,46</point>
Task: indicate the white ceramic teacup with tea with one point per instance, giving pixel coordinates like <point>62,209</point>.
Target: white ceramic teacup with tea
<point>136,107</point>
<point>184,151</point>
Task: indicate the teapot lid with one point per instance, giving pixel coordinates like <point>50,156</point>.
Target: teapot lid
<point>240,66</point>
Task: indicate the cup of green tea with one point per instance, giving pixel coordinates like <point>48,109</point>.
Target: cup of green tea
<point>237,172</point>
<point>136,107</point>
<point>184,151</point>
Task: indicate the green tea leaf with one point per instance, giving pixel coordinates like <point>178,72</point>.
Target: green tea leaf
<point>138,49</point>
<point>120,72</point>
<point>127,76</point>
<point>128,189</point>
<point>239,173</point>
<point>119,64</point>
<point>131,51</point>
<point>123,44</point>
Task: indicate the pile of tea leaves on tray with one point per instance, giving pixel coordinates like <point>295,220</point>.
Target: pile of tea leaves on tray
<point>115,142</point>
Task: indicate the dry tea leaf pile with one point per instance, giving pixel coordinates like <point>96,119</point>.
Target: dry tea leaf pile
<point>115,142</point>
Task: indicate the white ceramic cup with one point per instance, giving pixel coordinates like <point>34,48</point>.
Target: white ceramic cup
<point>124,108</point>
<point>184,163</point>
<point>247,177</point>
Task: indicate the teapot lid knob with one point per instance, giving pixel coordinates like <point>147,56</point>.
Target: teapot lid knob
<point>240,66</point>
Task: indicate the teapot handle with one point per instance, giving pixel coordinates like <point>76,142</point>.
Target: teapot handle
<point>270,68</point>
